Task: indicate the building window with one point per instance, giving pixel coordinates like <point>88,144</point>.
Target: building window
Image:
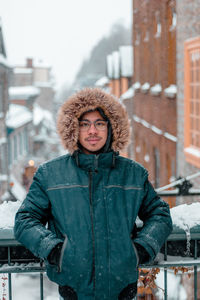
<point>26,147</point>
<point>10,152</point>
<point>157,25</point>
<point>137,38</point>
<point>156,168</point>
<point>20,140</point>
<point>192,101</point>
<point>1,99</point>
<point>155,59</point>
<point>171,42</point>
<point>3,161</point>
<point>15,148</point>
<point>171,15</point>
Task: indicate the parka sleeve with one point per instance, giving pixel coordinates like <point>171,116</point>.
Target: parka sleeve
<point>157,222</point>
<point>31,218</point>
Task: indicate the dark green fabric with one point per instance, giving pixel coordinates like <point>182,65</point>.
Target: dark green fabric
<point>120,192</point>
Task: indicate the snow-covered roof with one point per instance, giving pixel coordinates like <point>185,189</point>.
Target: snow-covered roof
<point>22,70</point>
<point>46,84</point>
<point>128,94</point>
<point>116,65</point>
<point>4,61</point>
<point>23,92</point>
<point>102,81</point>
<point>40,63</point>
<point>42,115</point>
<point>36,62</point>
<point>126,61</point>
<point>17,116</point>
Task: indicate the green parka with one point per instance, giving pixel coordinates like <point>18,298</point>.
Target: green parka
<point>90,203</point>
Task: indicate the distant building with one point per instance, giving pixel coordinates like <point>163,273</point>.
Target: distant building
<point>120,74</point>
<point>36,74</point>
<point>154,106</point>
<point>19,128</point>
<point>45,140</point>
<point>5,70</point>
<point>24,95</point>
<point>30,142</point>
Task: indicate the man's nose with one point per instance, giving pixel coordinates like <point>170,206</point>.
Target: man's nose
<point>92,128</point>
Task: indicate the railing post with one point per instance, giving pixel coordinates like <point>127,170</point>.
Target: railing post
<point>195,271</point>
<point>41,287</point>
<point>10,286</point>
<point>9,276</point>
<point>41,284</point>
<point>165,272</point>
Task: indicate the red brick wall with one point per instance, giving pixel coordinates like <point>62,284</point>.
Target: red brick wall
<point>152,65</point>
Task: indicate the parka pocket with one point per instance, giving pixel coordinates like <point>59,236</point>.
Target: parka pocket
<point>62,254</point>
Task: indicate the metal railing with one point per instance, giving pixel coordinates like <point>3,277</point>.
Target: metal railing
<point>14,258</point>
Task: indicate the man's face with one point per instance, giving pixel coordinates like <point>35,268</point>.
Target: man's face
<point>91,138</point>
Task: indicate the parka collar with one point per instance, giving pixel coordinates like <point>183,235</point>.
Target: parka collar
<point>93,162</point>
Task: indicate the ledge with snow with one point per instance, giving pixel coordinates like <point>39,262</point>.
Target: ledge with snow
<point>184,242</point>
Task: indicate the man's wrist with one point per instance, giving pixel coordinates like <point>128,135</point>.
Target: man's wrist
<point>54,256</point>
<point>142,253</point>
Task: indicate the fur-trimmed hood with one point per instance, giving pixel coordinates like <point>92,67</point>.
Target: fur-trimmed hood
<point>89,99</point>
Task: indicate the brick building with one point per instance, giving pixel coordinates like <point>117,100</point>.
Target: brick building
<point>188,83</point>
<point>154,109</point>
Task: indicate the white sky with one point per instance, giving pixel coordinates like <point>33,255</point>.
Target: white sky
<point>60,32</point>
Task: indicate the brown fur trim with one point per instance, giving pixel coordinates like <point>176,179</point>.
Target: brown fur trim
<point>83,101</point>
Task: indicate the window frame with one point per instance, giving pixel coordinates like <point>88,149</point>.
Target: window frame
<point>191,151</point>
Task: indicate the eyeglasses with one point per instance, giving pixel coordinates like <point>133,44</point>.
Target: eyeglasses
<point>98,124</point>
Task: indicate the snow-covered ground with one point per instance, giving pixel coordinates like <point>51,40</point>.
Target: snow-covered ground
<point>175,290</point>
<point>27,286</point>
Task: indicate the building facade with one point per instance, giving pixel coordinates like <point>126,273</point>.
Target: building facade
<point>188,82</point>
<point>4,102</point>
<point>154,108</point>
<point>36,74</point>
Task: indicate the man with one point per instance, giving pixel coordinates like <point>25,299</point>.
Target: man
<point>90,199</point>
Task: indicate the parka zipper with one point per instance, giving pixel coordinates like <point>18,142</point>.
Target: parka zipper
<point>92,224</point>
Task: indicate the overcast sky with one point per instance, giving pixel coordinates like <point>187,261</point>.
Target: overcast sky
<point>59,32</point>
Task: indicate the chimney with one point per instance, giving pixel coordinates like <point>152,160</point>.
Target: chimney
<point>29,63</point>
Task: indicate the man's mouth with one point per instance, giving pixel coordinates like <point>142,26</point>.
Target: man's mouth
<point>93,139</point>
